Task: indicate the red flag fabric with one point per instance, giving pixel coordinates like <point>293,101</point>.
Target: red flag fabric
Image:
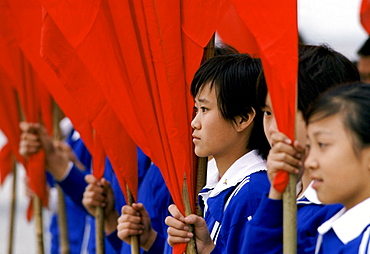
<point>235,33</point>
<point>84,89</point>
<point>7,160</point>
<point>365,15</point>
<point>274,27</point>
<point>143,55</point>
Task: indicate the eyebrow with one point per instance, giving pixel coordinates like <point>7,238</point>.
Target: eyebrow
<point>202,100</point>
<point>321,132</point>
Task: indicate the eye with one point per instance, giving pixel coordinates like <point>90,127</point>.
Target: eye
<point>204,109</point>
<point>308,147</point>
<point>267,113</point>
<point>322,145</point>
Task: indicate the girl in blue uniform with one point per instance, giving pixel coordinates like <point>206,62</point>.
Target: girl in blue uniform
<point>227,126</point>
<point>338,161</point>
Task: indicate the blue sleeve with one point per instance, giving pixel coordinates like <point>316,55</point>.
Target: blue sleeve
<point>158,245</point>
<point>114,241</point>
<point>242,207</point>
<point>264,231</point>
<point>74,186</point>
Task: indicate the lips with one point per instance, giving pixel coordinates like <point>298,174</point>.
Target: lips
<point>195,138</point>
<point>316,182</point>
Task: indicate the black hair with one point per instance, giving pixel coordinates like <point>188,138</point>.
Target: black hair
<point>365,48</point>
<point>234,78</point>
<point>352,101</point>
<point>319,68</point>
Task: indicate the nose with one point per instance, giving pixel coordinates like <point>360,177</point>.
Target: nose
<point>195,123</point>
<point>310,162</point>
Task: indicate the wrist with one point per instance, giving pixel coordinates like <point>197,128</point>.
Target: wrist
<point>151,239</point>
<point>110,222</point>
<point>274,194</point>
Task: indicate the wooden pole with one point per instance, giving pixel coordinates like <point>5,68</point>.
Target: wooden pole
<point>191,247</point>
<point>289,217</point>
<point>99,230</point>
<point>201,169</point>
<point>62,216</point>
<point>135,241</point>
<point>12,209</point>
<point>37,210</point>
<point>290,208</point>
<point>62,222</point>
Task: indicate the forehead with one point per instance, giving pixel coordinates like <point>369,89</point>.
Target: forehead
<point>206,94</point>
<point>331,126</point>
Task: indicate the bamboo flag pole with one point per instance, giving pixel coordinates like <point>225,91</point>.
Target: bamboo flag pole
<point>289,217</point>
<point>12,209</point>
<point>99,230</point>
<point>290,209</point>
<point>36,201</point>
<point>209,52</point>
<point>201,170</point>
<point>191,247</point>
<point>134,239</point>
<point>37,210</point>
<point>62,216</point>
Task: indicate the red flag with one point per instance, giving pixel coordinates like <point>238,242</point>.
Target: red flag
<point>84,89</point>
<point>365,15</point>
<point>274,27</point>
<point>235,33</point>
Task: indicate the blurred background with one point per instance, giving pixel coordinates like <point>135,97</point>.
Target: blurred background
<point>332,22</point>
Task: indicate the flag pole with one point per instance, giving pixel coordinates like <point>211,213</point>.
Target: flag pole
<point>201,168</point>
<point>99,228</point>
<point>37,209</point>
<point>191,247</point>
<point>134,239</point>
<point>209,52</point>
<point>289,217</point>
<point>62,216</point>
<point>12,208</point>
<point>290,206</point>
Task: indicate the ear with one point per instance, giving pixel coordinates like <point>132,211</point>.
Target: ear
<point>243,122</point>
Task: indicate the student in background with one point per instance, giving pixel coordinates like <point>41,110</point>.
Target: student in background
<point>363,63</point>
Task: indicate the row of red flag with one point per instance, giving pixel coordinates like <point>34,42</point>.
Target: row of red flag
<point>120,70</point>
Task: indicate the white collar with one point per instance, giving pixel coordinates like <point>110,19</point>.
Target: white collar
<point>212,174</point>
<point>348,225</point>
<point>249,163</point>
<point>310,194</point>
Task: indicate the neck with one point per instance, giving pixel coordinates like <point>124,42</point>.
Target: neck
<point>224,162</point>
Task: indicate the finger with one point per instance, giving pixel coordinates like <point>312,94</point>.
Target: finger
<point>285,158</point>
<point>124,233</point>
<point>141,209</point>
<point>175,223</point>
<point>280,137</point>
<point>128,218</point>
<point>129,225</point>
<point>90,179</point>
<point>277,166</point>
<point>175,212</point>
<point>280,148</point>
<point>126,209</point>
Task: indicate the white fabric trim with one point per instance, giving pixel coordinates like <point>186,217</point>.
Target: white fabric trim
<point>310,194</point>
<point>348,225</point>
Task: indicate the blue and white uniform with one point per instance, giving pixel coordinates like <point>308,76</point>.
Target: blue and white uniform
<point>346,232</point>
<point>264,233</point>
<point>230,202</point>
